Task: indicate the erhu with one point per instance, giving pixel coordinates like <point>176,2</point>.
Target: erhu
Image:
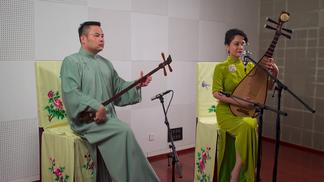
<point>255,84</point>
<point>88,115</point>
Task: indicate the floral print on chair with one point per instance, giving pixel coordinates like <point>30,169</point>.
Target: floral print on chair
<point>55,108</point>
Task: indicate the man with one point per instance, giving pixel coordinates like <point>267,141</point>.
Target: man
<point>89,79</point>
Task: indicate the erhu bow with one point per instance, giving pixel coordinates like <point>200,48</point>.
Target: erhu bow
<point>255,84</point>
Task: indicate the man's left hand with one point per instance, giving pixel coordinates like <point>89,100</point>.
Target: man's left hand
<point>145,82</point>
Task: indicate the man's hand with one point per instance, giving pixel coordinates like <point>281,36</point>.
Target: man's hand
<point>145,82</point>
<point>100,115</point>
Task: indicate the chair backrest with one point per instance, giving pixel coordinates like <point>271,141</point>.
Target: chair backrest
<point>206,103</point>
<point>51,112</point>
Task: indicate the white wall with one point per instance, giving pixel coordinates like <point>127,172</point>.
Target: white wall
<point>136,32</point>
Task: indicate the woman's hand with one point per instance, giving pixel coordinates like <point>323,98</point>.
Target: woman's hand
<point>271,66</point>
<point>226,98</point>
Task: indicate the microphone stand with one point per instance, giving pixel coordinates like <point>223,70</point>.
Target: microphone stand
<point>260,109</point>
<point>279,87</point>
<point>174,155</point>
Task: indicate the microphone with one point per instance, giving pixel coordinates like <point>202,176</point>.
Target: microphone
<point>160,95</point>
<point>245,57</point>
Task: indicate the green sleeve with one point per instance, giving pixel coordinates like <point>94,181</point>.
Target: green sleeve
<point>133,96</point>
<point>218,79</point>
<point>250,66</point>
<point>74,99</point>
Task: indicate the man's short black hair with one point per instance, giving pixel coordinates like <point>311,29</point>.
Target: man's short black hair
<point>230,34</point>
<point>83,29</point>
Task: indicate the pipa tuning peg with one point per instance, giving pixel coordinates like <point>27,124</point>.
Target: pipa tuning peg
<point>287,30</point>
<point>269,27</point>
<point>272,21</point>
<point>286,35</point>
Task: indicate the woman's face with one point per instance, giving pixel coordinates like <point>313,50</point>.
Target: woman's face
<point>236,47</point>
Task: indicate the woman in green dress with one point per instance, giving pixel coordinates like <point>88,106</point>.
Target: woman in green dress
<point>242,130</point>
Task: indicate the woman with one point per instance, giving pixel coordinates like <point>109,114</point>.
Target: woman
<point>242,130</point>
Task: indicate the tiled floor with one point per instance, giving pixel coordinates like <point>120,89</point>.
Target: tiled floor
<point>294,165</point>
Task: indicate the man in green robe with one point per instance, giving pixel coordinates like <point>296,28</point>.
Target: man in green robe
<point>87,80</point>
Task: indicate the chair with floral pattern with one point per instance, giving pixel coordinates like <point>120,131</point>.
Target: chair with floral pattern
<point>64,156</point>
<point>206,130</point>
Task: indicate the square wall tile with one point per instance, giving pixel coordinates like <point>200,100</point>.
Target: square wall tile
<point>309,120</point>
<point>124,5</point>
<point>49,24</point>
<point>319,105</point>
<point>285,133</point>
<point>158,7</point>
<point>269,130</point>
<point>318,141</point>
<point>17,31</point>
<point>295,7</point>
<point>304,19</point>
<point>307,138</point>
<point>319,122</point>
<point>294,118</point>
<point>18,90</point>
<point>187,9</point>
<point>124,69</point>
<point>211,10</point>
<point>146,122</point>
<point>149,36</point>
<point>321,18</point>
<point>296,136</point>
<point>116,26</point>
<point>211,41</point>
<point>124,114</point>
<point>158,84</point>
<point>229,11</point>
<point>183,81</point>
<point>266,9</point>
<point>183,39</point>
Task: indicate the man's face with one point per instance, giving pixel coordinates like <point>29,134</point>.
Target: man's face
<point>93,41</point>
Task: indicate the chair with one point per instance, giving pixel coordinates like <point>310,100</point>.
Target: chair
<point>209,137</point>
<point>207,129</point>
<point>64,156</point>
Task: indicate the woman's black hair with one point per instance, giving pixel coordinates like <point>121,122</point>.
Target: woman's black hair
<point>231,33</point>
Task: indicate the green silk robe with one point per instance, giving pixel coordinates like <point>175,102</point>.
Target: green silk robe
<point>227,76</point>
<point>88,80</point>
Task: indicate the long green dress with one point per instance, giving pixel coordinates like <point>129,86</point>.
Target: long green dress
<point>241,130</point>
<point>87,80</point>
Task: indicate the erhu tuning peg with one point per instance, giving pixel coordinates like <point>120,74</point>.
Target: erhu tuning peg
<point>163,57</point>
<point>170,69</point>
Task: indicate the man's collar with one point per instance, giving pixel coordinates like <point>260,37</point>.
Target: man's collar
<point>84,52</point>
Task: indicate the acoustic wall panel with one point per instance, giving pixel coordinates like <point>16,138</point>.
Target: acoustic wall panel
<point>16,30</point>
<point>19,149</point>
